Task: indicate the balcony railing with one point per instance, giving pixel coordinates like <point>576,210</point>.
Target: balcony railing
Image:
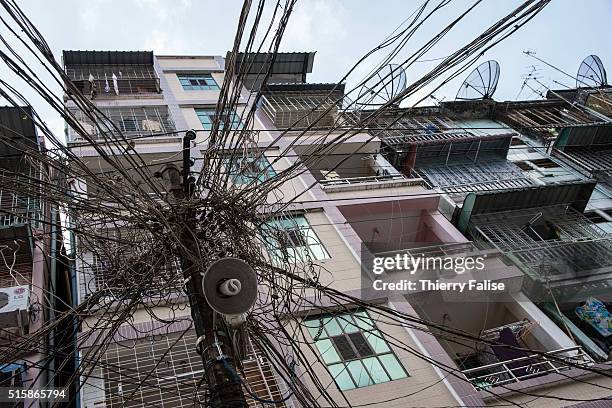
<point>132,122</point>
<point>361,180</point>
<point>99,275</point>
<point>131,79</point>
<point>524,368</point>
<point>300,110</point>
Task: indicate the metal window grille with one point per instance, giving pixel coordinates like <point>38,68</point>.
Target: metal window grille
<point>207,118</point>
<point>244,170</point>
<point>300,109</point>
<point>131,79</point>
<point>483,176</point>
<point>574,245</point>
<point>292,239</point>
<point>166,371</point>
<point>394,131</point>
<point>114,264</point>
<point>17,208</point>
<point>545,121</point>
<point>132,122</point>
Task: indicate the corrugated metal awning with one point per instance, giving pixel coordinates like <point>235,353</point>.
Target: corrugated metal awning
<point>575,194</point>
<point>284,62</point>
<point>305,87</point>
<point>108,58</point>
<point>17,126</point>
<point>584,136</point>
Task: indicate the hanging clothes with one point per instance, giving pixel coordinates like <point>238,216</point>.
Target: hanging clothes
<point>92,86</point>
<point>115,85</point>
<point>106,86</point>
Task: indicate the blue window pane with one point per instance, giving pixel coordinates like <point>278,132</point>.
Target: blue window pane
<point>332,327</point>
<point>198,82</point>
<point>393,367</point>
<point>341,376</point>
<point>359,373</point>
<point>327,351</point>
<point>378,344</point>
<point>346,323</point>
<point>375,369</point>
<point>246,170</point>
<point>363,320</point>
<point>206,117</point>
<point>313,325</point>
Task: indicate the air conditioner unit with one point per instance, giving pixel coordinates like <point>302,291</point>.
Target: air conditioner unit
<point>14,303</point>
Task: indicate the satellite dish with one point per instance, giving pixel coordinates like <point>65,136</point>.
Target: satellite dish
<point>230,286</point>
<point>591,73</point>
<point>481,83</point>
<point>386,84</point>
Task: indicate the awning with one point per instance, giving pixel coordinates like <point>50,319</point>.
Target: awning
<point>108,58</point>
<point>575,194</point>
<point>592,136</point>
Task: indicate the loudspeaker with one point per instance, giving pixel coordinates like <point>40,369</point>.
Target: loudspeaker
<point>230,286</point>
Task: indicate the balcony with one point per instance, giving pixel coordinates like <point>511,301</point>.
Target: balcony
<point>549,243</point>
<point>353,167</point>
<point>526,367</point>
<point>100,269</point>
<point>588,149</point>
<point>511,342</point>
<point>112,74</point>
<point>133,122</point>
<point>299,106</point>
<point>16,207</point>
<point>544,120</point>
<point>460,179</point>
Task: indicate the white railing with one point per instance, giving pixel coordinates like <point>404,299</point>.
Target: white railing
<point>361,180</point>
<point>523,368</point>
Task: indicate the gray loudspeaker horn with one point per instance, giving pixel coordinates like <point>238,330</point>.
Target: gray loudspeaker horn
<point>230,286</point>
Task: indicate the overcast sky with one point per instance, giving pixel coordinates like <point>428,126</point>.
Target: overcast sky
<point>340,31</point>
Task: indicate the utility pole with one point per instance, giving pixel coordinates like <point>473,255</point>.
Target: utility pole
<point>214,343</point>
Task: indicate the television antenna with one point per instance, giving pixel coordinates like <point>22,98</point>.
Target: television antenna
<point>591,73</point>
<point>481,83</point>
<point>385,85</point>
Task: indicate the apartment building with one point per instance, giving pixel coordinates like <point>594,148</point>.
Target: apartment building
<point>394,191</point>
<point>459,180</point>
<point>152,100</point>
<point>30,271</point>
<point>509,187</point>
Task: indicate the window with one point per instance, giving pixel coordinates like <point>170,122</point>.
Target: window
<point>207,117</point>
<point>245,170</point>
<point>198,82</point>
<point>292,240</point>
<point>354,351</point>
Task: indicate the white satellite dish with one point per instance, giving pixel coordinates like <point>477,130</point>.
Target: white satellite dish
<point>385,85</point>
<point>230,286</point>
<point>481,83</point>
<point>591,73</point>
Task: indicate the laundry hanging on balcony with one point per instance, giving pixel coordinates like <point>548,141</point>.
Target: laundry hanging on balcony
<point>115,84</point>
<point>92,86</point>
<point>106,86</point>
